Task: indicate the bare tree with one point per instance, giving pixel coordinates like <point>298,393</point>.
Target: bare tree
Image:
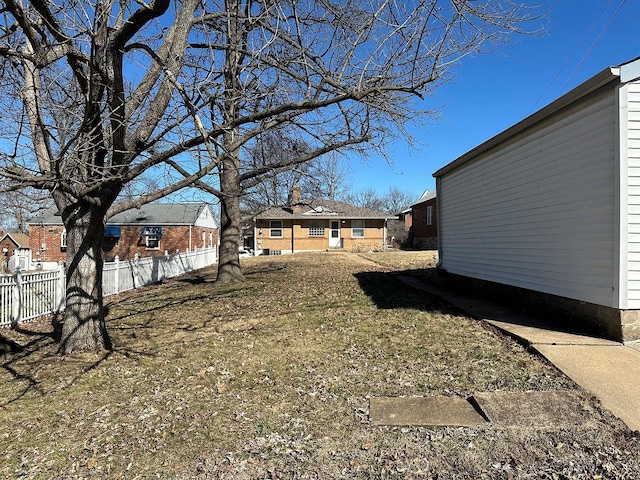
<point>21,206</point>
<point>323,177</point>
<point>97,89</point>
<point>367,197</point>
<point>107,90</point>
<point>269,148</point>
<point>393,201</point>
<point>330,178</point>
<point>396,199</point>
<point>339,76</point>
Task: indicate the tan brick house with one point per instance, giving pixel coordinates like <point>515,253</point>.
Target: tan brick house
<point>317,225</point>
<point>152,229</point>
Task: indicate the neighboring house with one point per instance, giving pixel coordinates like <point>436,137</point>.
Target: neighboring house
<point>319,225</point>
<point>549,210</point>
<point>424,222</point>
<point>405,217</point>
<point>150,230</point>
<point>15,251</point>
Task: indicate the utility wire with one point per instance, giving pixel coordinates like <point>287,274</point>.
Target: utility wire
<point>584,37</point>
<point>594,44</point>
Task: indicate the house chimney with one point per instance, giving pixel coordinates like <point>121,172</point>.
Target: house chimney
<point>296,194</point>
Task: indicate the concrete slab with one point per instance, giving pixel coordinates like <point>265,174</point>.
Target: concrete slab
<point>608,372</point>
<point>607,369</point>
<point>424,411</point>
<point>546,409</point>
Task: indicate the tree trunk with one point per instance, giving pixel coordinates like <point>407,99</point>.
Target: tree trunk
<point>84,328</point>
<point>229,270</point>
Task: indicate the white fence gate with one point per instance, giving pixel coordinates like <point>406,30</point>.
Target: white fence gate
<point>25,296</point>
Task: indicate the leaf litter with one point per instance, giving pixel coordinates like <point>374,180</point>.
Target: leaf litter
<point>272,379</point>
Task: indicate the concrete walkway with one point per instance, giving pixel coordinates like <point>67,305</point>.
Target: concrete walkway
<point>607,369</point>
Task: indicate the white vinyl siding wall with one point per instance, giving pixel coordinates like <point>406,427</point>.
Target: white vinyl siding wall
<point>537,212</point>
<point>630,124</point>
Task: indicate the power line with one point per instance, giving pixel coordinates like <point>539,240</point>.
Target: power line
<point>557,74</point>
<point>594,44</point>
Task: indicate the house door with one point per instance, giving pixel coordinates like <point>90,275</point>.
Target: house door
<point>334,234</point>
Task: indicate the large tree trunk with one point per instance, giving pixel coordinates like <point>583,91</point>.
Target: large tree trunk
<point>229,270</point>
<point>84,328</point>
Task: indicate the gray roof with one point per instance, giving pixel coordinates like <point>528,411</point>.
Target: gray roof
<point>149,214</point>
<point>426,195</point>
<point>160,214</point>
<point>324,209</point>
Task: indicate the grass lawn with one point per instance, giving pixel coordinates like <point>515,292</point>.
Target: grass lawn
<point>272,379</point>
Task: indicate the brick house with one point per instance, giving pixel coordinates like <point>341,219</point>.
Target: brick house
<point>317,225</point>
<point>15,250</point>
<point>424,222</point>
<point>150,230</point>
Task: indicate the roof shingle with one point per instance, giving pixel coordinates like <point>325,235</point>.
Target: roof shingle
<point>322,209</point>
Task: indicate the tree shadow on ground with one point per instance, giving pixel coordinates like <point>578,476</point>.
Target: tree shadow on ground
<point>27,347</point>
<point>437,291</point>
<point>387,292</point>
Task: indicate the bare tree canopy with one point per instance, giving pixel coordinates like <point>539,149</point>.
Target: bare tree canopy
<point>393,201</point>
<point>20,206</point>
<point>96,94</point>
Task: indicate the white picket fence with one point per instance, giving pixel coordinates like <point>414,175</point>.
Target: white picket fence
<point>26,296</point>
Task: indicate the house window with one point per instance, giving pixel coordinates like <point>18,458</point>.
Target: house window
<point>430,215</point>
<point>275,229</point>
<point>357,228</point>
<point>316,228</point>
<point>152,236</point>
<point>111,237</point>
<point>63,240</point>
<point>152,241</point>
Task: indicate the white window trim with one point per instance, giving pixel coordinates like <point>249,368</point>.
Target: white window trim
<point>272,228</point>
<point>355,228</point>
<point>430,215</point>
<point>146,242</point>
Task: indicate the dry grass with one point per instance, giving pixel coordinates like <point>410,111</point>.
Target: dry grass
<point>272,379</point>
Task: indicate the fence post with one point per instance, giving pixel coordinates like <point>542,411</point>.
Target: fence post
<point>61,282</point>
<point>16,298</point>
<point>136,271</point>
<point>116,280</point>
<point>15,260</point>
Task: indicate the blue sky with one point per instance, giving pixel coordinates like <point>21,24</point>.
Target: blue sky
<point>491,92</point>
